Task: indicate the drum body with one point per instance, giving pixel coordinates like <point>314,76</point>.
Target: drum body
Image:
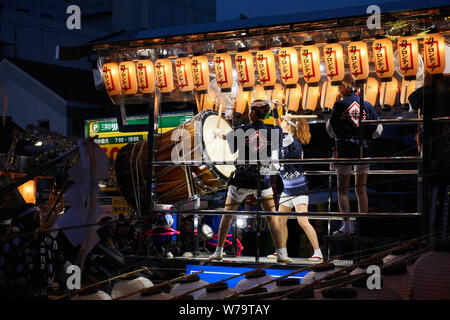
<point>192,141</point>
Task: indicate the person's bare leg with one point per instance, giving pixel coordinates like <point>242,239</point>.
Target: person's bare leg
<point>268,204</point>
<point>361,192</point>
<point>307,227</point>
<point>225,222</point>
<point>283,224</point>
<point>343,185</point>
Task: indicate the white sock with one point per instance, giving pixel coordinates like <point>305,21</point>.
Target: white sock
<point>219,251</point>
<point>282,253</point>
<point>318,253</point>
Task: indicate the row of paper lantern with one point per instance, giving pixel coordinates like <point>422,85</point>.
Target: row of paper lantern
<point>132,77</point>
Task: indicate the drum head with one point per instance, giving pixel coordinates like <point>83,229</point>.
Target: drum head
<point>217,149</point>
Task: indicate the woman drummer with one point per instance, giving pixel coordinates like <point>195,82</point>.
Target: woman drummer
<point>295,190</point>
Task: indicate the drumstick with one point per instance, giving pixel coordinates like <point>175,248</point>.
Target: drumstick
<point>199,107</point>
<point>299,116</point>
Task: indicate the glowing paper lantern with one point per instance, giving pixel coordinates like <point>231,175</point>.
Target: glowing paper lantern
<point>288,64</point>
<point>242,100</point>
<point>388,93</point>
<point>183,70</point>
<point>310,98</point>
<point>358,60</point>
<point>200,73</point>
<point>28,191</point>
<point>127,75</point>
<point>164,75</point>
<point>408,57</point>
<point>293,97</point>
<point>408,87</point>
<point>371,90</point>
<point>329,95</point>
<point>310,57</point>
<point>434,52</point>
<point>111,78</point>
<point>259,93</point>
<point>383,58</point>
<point>265,63</point>
<point>223,70</point>
<point>245,69</point>
<point>145,76</point>
<point>333,55</point>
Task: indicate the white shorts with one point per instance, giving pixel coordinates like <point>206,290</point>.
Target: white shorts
<point>292,201</point>
<point>347,169</point>
<point>239,194</point>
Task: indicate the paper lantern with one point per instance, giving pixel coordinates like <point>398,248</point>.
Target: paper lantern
<point>371,91</point>
<point>310,57</point>
<point>434,52</point>
<point>200,73</point>
<point>127,76</point>
<point>333,56</point>
<point>408,56</point>
<point>245,69</point>
<point>310,98</point>
<point>293,97</point>
<point>358,59</point>
<point>259,93</point>
<point>383,58</point>
<point>224,71</point>
<point>277,93</point>
<point>265,63</point>
<point>253,279</point>
<point>288,64</point>
<point>164,75</point>
<point>242,101</point>
<point>28,191</point>
<point>111,78</point>
<point>145,76</point>
<point>329,95</point>
<point>183,70</point>
<point>188,284</point>
<point>388,93</point>
<point>408,87</point>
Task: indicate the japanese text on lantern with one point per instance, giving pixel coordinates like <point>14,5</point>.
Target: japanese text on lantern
<point>355,60</point>
<point>285,65</point>
<point>181,74</point>
<point>109,82</point>
<point>308,64</point>
<point>406,55</point>
<point>197,73</point>
<point>331,62</point>
<point>145,76</point>
<point>242,69</point>
<point>432,53</point>
<point>161,75</point>
<point>263,67</point>
<point>125,77</point>
<point>381,58</point>
<point>221,72</point>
